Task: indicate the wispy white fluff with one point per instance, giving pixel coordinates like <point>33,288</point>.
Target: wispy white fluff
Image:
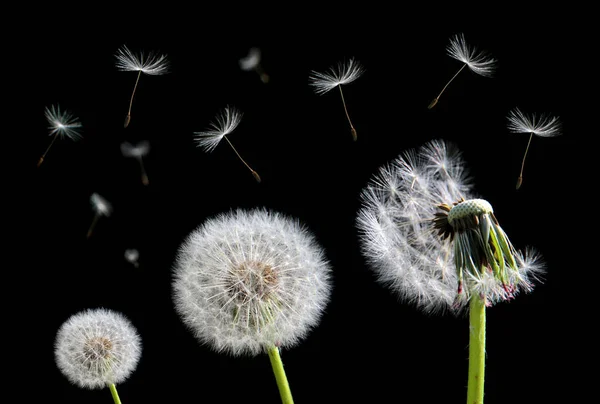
<point>248,280</point>
<point>137,150</point>
<point>226,121</point>
<point>478,61</point>
<point>342,73</point>
<point>100,205</point>
<point>542,125</point>
<point>97,347</point>
<point>398,239</point>
<point>151,63</point>
<point>251,60</point>
<point>62,123</point>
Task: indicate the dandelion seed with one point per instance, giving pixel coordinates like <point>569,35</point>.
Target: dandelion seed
<point>101,207</point>
<point>151,64</point>
<point>137,152</point>
<point>429,238</point>
<point>252,62</point>
<point>226,121</point>
<point>343,73</point>
<point>542,125</point>
<point>132,256</point>
<point>478,61</point>
<point>250,282</point>
<point>62,124</point>
<point>97,348</point>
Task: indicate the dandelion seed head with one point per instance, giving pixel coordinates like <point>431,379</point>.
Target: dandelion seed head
<point>151,63</point>
<point>97,347</point>
<point>247,280</point>
<point>478,61</point>
<point>62,123</point>
<point>226,121</point>
<point>428,238</point>
<point>342,73</point>
<point>540,125</point>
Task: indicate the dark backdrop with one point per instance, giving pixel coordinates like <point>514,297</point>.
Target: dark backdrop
<point>368,343</point>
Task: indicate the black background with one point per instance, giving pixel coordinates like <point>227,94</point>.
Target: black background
<point>368,343</point>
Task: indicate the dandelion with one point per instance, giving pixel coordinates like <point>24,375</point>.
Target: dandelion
<point>137,151</point>
<point>343,73</point>
<point>151,64</point>
<point>132,256</point>
<point>542,125</point>
<point>431,239</point>
<point>62,124</point>
<point>249,282</point>
<point>251,62</point>
<point>96,348</point>
<point>101,207</point>
<point>478,61</point>
<point>227,120</point>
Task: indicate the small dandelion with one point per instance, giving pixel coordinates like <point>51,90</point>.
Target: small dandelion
<point>250,282</point>
<point>101,207</point>
<point>343,73</point>
<point>151,64</point>
<point>252,62</point>
<point>137,151</point>
<point>132,256</point>
<point>226,121</point>
<point>428,237</point>
<point>478,61</point>
<point>97,348</point>
<point>62,124</point>
<point>539,125</point>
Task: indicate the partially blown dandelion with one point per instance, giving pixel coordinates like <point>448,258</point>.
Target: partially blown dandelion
<point>101,207</point>
<point>137,151</point>
<point>97,348</point>
<point>151,64</point>
<point>251,282</point>
<point>428,237</point>
<point>336,76</point>
<point>252,62</point>
<point>227,120</point>
<point>542,125</point>
<point>478,61</point>
<point>61,124</point>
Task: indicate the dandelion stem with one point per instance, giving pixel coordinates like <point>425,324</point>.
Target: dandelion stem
<point>520,179</point>
<point>41,160</point>
<point>354,134</point>
<point>114,393</point>
<point>436,99</point>
<point>145,180</point>
<point>476,350</point>
<point>94,221</point>
<point>254,173</point>
<point>280,377</point>
<point>128,118</point>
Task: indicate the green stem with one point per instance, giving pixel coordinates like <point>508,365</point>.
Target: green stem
<point>476,350</point>
<point>113,392</point>
<point>280,377</point>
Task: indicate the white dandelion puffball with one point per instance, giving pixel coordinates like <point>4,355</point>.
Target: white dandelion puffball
<point>430,248</point>
<point>97,347</point>
<point>248,280</point>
